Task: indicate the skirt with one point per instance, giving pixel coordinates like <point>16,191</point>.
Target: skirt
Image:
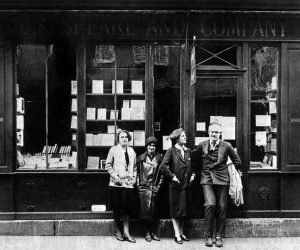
<point>123,200</point>
<point>178,202</point>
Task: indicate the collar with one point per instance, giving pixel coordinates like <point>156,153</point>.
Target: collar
<point>217,143</point>
<point>180,148</point>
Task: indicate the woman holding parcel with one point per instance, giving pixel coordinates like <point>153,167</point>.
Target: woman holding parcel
<point>176,166</point>
<point>149,180</point>
<point>121,165</point>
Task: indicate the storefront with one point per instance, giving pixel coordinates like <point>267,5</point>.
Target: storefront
<point>71,79</point>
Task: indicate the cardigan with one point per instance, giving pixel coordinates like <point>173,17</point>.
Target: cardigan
<point>116,166</point>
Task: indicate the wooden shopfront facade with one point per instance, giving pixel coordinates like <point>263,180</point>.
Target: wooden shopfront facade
<point>70,79</point>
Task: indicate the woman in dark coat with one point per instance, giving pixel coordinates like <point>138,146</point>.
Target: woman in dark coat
<point>149,180</point>
<point>176,166</point>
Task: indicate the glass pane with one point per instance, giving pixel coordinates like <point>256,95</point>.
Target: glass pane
<point>62,106</point>
<point>216,100</point>
<point>115,99</point>
<point>31,107</point>
<point>166,93</point>
<point>264,115</point>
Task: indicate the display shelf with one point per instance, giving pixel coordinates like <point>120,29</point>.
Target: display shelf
<point>111,94</point>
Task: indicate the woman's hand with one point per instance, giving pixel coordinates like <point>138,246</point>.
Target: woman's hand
<point>175,179</point>
<point>193,176</point>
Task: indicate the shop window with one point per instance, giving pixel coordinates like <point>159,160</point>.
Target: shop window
<point>166,93</point>
<point>44,107</point>
<point>264,107</point>
<point>216,101</point>
<point>115,99</point>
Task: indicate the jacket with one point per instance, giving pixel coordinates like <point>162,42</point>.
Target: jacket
<point>215,173</point>
<point>116,166</point>
<point>174,164</point>
<point>235,187</point>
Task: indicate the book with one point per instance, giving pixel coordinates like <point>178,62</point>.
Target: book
<point>137,113</point>
<point>167,143</point>
<point>20,122</point>
<point>130,143</point>
<point>136,87</point>
<point>111,129</point>
<point>102,164</point>
<point>126,103</point>
<point>20,138</point>
<point>20,105</point>
<point>138,104</point>
<point>125,113</point>
<point>74,105</point>
<point>107,139</point>
<point>73,159</point>
<point>91,113</point>
<point>273,145</point>
<point>101,114</point>
<point>74,122</point>
<point>139,138</point>
<point>118,88</point>
<point>89,140</point>
<point>97,140</point>
<point>97,86</point>
<point>74,87</point>
<point>114,114</point>
<point>93,162</point>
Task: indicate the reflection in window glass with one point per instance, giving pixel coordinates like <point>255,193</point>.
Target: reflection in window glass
<point>264,110</point>
<point>43,110</point>
<point>166,92</point>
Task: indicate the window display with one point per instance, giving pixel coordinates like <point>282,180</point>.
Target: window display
<point>264,110</point>
<point>115,100</point>
<point>46,108</point>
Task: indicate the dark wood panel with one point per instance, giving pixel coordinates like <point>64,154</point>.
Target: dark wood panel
<point>56,192</point>
<point>290,192</point>
<point>2,110</point>
<point>293,146</point>
<point>6,192</point>
<point>263,192</point>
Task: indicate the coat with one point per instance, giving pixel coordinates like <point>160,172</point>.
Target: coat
<point>148,190</point>
<point>179,195</point>
<point>116,166</point>
<point>174,164</point>
<point>215,173</point>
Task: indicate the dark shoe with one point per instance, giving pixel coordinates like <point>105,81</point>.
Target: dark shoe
<point>184,238</point>
<point>129,239</point>
<point>148,237</point>
<point>208,242</point>
<point>178,240</point>
<point>219,242</point>
<point>155,237</point>
<point>119,236</point>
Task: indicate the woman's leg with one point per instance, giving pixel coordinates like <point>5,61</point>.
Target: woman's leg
<point>181,222</point>
<point>175,222</point>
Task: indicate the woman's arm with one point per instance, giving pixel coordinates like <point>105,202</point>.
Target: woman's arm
<point>109,164</point>
<point>165,165</point>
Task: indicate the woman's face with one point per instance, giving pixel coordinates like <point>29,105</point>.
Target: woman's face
<point>151,148</point>
<point>123,139</point>
<point>182,138</point>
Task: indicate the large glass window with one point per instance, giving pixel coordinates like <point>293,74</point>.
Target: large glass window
<point>44,107</point>
<point>115,99</point>
<point>166,93</point>
<point>264,107</point>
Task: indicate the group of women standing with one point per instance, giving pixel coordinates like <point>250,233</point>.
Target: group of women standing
<point>147,172</point>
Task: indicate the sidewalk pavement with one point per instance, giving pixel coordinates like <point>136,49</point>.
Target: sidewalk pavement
<point>110,243</point>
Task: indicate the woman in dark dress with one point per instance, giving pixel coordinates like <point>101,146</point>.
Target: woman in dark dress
<point>176,166</point>
<point>149,180</point>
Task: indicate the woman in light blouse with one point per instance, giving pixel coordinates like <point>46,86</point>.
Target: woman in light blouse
<point>121,165</point>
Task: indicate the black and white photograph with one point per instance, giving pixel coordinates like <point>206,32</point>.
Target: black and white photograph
<point>149,124</point>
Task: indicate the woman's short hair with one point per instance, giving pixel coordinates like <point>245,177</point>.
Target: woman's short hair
<point>174,136</point>
<point>123,131</point>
